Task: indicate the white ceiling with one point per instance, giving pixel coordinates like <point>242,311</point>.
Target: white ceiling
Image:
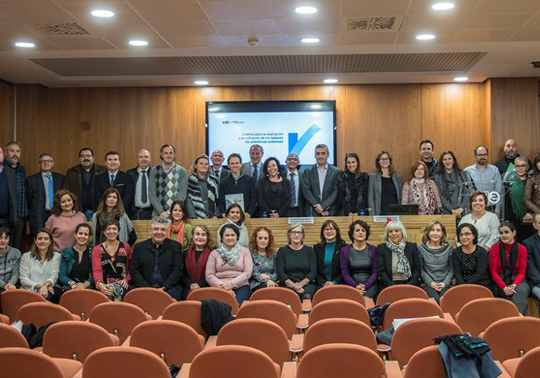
<point>508,31</point>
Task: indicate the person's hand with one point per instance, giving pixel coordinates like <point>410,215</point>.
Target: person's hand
<point>105,289</point>
<point>274,215</point>
<point>194,286</point>
<point>215,217</point>
<point>164,214</point>
<point>43,291</point>
<point>325,213</point>
<point>9,286</point>
<point>124,284</point>
<point>328,283</point>
<point>513,288</point>
<point>508,291</point>
<point>271,283</point>
<point>361,286</point>
<point>457,212</point>
<point>248,215</point>
<point>351,213</point>
<point>264,276</point>
<point>434,285</point>
<point>318,208</point>
<point>498,213</point>
<point>527,216</point>
<point>227,286</point>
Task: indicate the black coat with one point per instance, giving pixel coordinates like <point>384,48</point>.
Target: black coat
<point>170,264</point>
<point>11,177</point>
<point>134,174</point>
<point>122,182</point>
<point>533,260</point>
<point>336,268</point>
<point>244,185</point>
<point>35,193</point>
<point>384,264</point>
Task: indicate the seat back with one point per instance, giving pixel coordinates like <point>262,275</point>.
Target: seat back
<point>4,319</point>
<point>13,300</point>
<point>233,361</point>
<point>151,300</point>
<point>339,308</point>
<point>187,312</point>
<point>338,292</point>
<point>24,362</point>
<point>216,293</point>
<point>124,362</point>
<point>458,296</point>
<point>478,314</point>
<point>512,337</point>
<point>11,338</point>
<point>174,342</point>
<point>426,362</point>
<point>397,292</point>
<point>118,318</point>
<point>345,331</point>
<point>273,311</point>
<point>42,313</point>
<point>528,364</point>
<point>410,308</point>
<point>76,340</point>
<point>417,334</point>
<point>279,294</point>
<point>340,360</point>
<point>81,302</point>
<point>260,334</point>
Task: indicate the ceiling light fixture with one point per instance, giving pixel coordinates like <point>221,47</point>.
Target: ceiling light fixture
<point>330,81</point>
<point>102,13</point>
<point>425,37</point>
<point>442,6</point>
<point>461,78</point>
<point>138,42</point>
<point>201,82</point>
<point>26,45</point>
<point>306,10</point>
<point>310,40</point>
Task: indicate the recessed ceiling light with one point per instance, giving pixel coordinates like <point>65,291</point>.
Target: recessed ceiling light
<point>425,37</point>
<point>103,13</point>
<point>201,82</point>
<point>306,10</point>
<point>138,42</point>
<point>330,81</point>
<point>310,40</point>
<point>442,6</point>
<point>461,78</point>
<point>26,45</point>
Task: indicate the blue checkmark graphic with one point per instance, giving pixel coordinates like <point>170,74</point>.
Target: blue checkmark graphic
<point>297,145</point>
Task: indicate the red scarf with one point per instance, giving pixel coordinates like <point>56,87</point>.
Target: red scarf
<point>196,268</point>
<point>179,230</point>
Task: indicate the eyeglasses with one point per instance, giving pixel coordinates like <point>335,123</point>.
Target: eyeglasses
<point>481,154</point>
<point>86,156</point>
<point>521,166</point>
<point>465,234</point>
<point>47,161</point>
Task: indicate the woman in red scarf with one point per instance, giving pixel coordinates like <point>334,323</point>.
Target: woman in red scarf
<point>195,259</point>
<point>179,229</point>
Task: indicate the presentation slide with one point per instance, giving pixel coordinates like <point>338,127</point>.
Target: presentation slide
<point>280,132</point>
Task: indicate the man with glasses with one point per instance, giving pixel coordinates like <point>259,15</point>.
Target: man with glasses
<point>217,169</point>
<point>80,181</point>
<point>486,177</point>
<point>40,191</point>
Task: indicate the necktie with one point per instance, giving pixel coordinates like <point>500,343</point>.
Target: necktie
<point>216,173</point>
<point>51,191</point>
<point>111,179</point>
<point>292,188</point>
<point>255,173</point>
<point>144,189</point>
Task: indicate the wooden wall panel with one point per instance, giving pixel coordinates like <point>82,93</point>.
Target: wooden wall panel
<point>514,114</point>
<point>7,112</point>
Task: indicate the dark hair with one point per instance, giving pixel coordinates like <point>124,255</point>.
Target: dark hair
<point>209,241</point>
<point>508,224</point>
<point>336,227</point>
<point>322,145</point>
<point>86,149</point>
<point>242,215</point>
<point>232,227</point>
<point>475,194</point>
<point>118,210</point>
<point>83,225</point>
<point>353,155</point>
<point>360,223</point>
<point>253,241</point>
<point>378,165</point>
<point>535,166</point>
<point>57,208</point>
<point>11,143</point>
<point>440,167</point>
<point>234,154</point>
<point>183,207</point>
<point>477,147</point>
<point>110,222</point>
<point>415,167</point>
<point>165,146</point>
<point>426,141</point>
<point>43,155</point>
<point>4,230</point>
<point>34,251</point>
<point>470,227</point>
<point>112,153</point>
<point>265,166</point>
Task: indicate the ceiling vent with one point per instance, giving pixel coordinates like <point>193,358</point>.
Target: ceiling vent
<point>66,29</point>
<point>373,23</point>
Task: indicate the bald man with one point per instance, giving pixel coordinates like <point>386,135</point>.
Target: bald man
<point>506,164</point>
<point>140,174</point>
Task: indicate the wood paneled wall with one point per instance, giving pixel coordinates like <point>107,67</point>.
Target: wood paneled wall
<point>7,112</point>
<point>370,118</point>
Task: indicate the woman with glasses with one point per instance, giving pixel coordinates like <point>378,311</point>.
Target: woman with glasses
<point>421,190</point>
<point>296,264</point>
<point>384,187</point>
<point>514,204</point>
<point>470,261</point>
<point>454,185</point>
<point>327,252</point>
<point>352,187</point>
<point>532,188</point>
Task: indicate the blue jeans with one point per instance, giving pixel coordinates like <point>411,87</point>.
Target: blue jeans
<point>242,293</point>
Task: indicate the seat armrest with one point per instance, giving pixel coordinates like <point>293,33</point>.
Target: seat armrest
<point>392,369</point>
<point>288,370</point>
<point>184,371</point>
<point>244,302</point>
<point>306,305</point>
<point>369,302</point>
<point>115,339</point>
<point>303,321</point>
<point>296,344</point>
<point>449,317</point>
<point>504,372</point>
<point>211,342</point>
<point>126,342</point>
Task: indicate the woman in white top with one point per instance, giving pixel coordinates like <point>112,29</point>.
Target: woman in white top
<point>486,222</point>
<point>39,267</point>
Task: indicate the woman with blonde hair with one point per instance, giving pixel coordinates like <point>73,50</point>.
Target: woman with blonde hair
<point>203,190</point>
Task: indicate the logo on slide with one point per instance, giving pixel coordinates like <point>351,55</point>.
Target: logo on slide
<point>297,145</point>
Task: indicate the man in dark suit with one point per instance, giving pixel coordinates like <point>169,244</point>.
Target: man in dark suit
<point>142,207</point>
<point>80,181</point>
<point>158,261</point>
<point>12,164</point>
<point>115,178</point>
<point>533,258</point>
<point>293,174</point>
<point>8,197</point>
<point>40,192</point>
<point>319,185</point>
<point>217,169</point>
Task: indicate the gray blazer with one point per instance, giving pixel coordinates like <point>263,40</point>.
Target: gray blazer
<point>223,173</point>
<point>375,189</point>
<point>246,170</point>
<point>311,190</point>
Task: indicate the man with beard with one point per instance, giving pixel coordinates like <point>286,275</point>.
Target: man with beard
<point>319,185</point>
<point>486,177</point>
<point>8,195</point>
<point>12,163</point>
<point>426,155</point>
<point>80,181</point>
<point>506,164</point>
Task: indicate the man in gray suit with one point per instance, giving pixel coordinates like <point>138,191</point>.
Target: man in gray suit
<point>217,169</point>
<point>293,174</point>
<point>319,185</point>
<point>254,166</point>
